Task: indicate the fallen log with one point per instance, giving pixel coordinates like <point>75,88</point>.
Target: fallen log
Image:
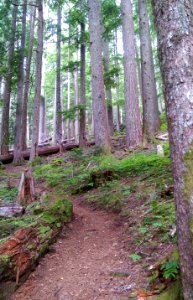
<point>20,252</point>
<point>10,210</point>
<point>163,137</point>
<point>26,154</point>
<point>6,159</point>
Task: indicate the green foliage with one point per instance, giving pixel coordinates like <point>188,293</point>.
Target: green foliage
<point>160,220</point>
<point>8,194</point>
<point>109,77</point>
<point>111,17</point>
<point>170,269</point>
<point>59,211</point>
<point>38,160</point>
<point>144,164</point>
<point>76,155</point>
<point>163,126</point>
<point>4,262</point>
<point>8,226</point>
<point>74,111</point>
<point>135,257</point>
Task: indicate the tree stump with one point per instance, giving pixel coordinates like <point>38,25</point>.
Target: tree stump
<point>26,192</point>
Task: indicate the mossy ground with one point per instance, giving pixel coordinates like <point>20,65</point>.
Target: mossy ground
<point>137,185</point>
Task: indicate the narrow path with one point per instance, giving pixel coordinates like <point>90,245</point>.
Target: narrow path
<point>81,263</point>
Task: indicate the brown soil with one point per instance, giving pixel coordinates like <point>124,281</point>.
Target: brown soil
<point>89,261</point>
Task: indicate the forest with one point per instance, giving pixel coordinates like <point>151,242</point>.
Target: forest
<point>96,149</point>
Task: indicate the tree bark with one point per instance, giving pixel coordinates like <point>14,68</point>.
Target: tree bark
<point>106,59</point>
<point>82,118</point>
<point>175,38</point>
<point>68,123</point>
<point>117,109</point>
<point>39,54</point>
<point>42,121</point>
<point>101,131</point>
<point>58,117</point>
<point>20,86</point>
<point>76,102</point>
<point>27,79</point>
<point>133,123</point>
<point>151,120</point>
<point>7,89</point>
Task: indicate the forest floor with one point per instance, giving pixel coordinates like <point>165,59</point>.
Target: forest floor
<point>82,262</point>
<point>119,232</point>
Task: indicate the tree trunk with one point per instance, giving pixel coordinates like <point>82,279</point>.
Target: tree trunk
<point>151,120</point>
<point>42,121</point>
<point>175,39</point>
<point>39,54</point>
<point>20,86</point>
<point>102,138</point>
<point>117,110</point>
<point>133,123</point>
<point>27,79</point>
<point>7,89</point>
<point>76,102</point>
<point>58,117</point>
<point>106,59</point>
<point>82,118</point>
<point>69,98</point>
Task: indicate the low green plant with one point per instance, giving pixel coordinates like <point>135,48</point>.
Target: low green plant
<point>8,194</point>
<point>135,256</point>
<point>38,160</point>
<point>170,269</point>
<point>163,126</point>
<point>57,161</point>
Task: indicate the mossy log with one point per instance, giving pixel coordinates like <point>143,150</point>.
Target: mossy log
<point>44,151</point>
<point>22,251</point>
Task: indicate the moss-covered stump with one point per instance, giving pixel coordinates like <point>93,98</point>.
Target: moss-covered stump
<point>22,251</point>
<point>164,279</point>
<point>173,292</point>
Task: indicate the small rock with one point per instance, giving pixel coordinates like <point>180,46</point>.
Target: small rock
<point>160,150</point>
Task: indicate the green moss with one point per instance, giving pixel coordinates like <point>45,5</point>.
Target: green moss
<point>59,211</point>
<point>4,262</point>
<point>44,249</point>
<point>31,247</point>
<point>5,258</point>
<point>8,194</point>
<point>188,176</point>
<point>163,126</point>
<point>173,292</point>
<point>188,184</point>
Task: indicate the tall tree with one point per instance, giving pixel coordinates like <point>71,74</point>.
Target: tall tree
<point>101,131</point>
<point>58,109</point>
<point>27,79</point>
<point>20,88</point>
<point>116,76</point>
<point>106,59</point>
<point>151,120</point>
<point>175,35</point>
<point>39,55</point>
<point>7,89</point>
<point>42,121</point>
<point>133,123</point>
<point>82,118</point>
<point>76,102</point>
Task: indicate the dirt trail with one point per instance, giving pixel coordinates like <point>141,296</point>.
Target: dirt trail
<point>82,261</point>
